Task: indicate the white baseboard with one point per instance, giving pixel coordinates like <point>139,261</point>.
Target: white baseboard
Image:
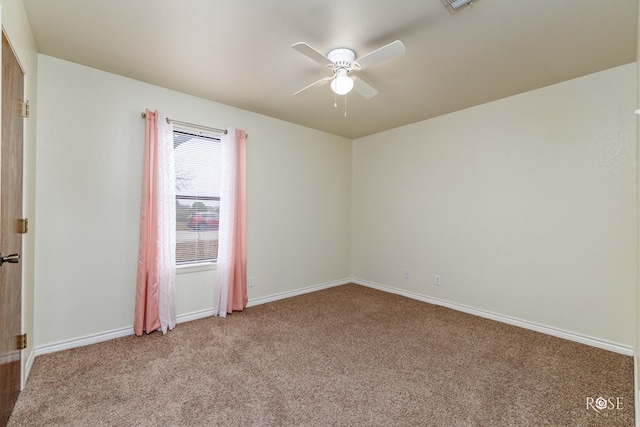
<point>109,335</point>
<point>82,341</point>
<point>282,295</point>
<point>27,368</point>
<point>188,317</point>
<point>123,332</point>
<point>571,336</point>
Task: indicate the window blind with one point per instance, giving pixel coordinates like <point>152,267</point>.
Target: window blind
<point>197,162</point>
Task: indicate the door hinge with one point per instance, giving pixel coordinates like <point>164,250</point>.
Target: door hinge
<point>23,109</point>
<point>23,226</point>
<point>22,342</point>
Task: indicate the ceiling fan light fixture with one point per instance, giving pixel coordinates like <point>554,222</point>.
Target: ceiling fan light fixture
<point>454,5</point>
<point>342,84</point>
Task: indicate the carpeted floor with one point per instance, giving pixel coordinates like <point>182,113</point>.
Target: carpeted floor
<point>345,356</point>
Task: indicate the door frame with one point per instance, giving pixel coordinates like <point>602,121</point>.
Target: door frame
<point>20,323</point>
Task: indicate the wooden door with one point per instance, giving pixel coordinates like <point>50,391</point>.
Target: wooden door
<point>10,237</point>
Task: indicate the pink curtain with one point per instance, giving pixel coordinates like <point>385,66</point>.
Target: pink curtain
<point>155,293</point>
<point>231,284</point>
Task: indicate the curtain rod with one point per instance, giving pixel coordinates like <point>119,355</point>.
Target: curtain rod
<point>191,125</point>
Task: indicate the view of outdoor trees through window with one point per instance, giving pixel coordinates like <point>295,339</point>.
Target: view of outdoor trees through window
<point>197,157</point>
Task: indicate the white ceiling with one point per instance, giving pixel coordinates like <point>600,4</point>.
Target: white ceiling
<point>238,52</point>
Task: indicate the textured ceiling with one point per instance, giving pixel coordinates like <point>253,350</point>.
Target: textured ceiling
<point>238,52</point>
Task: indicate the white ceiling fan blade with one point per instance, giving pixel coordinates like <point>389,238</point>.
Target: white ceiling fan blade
<point>312,86</point>
<point>364,88</point>
<point>389,51</point>
<point>310,52</point>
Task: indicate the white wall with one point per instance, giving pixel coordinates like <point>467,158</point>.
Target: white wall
<point>90,140</point>
<point>18,32</point>
<point>525,206</point>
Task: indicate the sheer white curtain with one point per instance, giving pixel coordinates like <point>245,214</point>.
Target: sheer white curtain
<point>155,295</point>
<point>230,292</point>
<point>167,226</point>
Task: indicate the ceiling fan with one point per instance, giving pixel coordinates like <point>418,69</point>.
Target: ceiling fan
<point>342,61</point>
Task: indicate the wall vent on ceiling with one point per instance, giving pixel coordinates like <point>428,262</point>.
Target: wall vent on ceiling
<point>454,5</point>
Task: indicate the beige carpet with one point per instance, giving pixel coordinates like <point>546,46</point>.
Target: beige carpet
<point>346,356</point>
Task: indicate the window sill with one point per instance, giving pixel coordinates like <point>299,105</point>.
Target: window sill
<point>194,268</point>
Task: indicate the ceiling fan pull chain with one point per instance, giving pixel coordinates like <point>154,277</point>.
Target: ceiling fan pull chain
<point>335,100</point>
<point>345,105</point>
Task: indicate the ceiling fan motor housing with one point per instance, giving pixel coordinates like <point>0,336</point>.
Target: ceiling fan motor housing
<point>342,58</point>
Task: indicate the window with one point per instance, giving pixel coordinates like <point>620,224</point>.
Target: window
<point>197,157</point>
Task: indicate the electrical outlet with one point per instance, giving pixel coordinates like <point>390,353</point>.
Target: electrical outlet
<point>406,274</point>
<point>251,282</point>
<point>437,279</point>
